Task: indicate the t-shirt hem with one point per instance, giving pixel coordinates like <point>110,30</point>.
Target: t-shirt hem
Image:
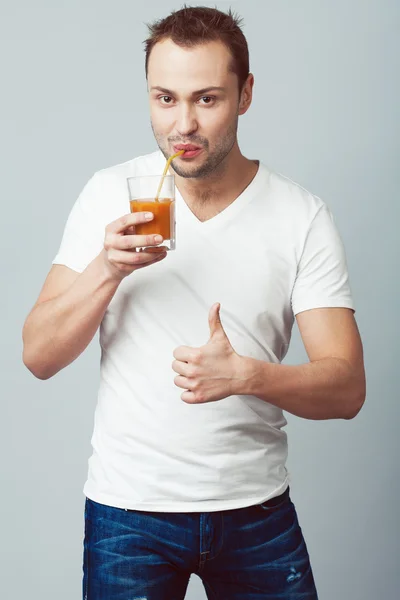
<point>69,264</point>
<point>183,507</point>
<point>298,308</point>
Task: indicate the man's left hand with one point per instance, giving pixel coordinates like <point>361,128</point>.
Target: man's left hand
<point>210,372</point>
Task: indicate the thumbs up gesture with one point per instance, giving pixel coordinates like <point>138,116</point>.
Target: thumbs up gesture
<point>210,372</point>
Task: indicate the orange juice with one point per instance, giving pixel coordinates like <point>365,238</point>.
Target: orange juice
<point>163,211</point>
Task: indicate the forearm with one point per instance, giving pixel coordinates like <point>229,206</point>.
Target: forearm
<point>323,389</point>
<point>58,330</point>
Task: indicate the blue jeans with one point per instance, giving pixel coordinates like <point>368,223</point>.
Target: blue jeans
<point>241,554</point>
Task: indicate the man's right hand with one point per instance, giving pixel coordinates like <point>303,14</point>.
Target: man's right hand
<point>120,243</point>
<point>71,305</point>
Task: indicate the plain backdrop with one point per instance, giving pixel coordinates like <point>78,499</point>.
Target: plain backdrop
<point>326,114</point>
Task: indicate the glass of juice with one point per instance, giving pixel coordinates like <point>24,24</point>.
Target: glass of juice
<point>143,191</point>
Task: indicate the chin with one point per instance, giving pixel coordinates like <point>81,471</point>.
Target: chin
<point>184,169</point>
<point>188,173</point>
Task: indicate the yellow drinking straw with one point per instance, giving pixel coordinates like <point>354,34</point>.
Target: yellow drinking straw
<point>169,161</point>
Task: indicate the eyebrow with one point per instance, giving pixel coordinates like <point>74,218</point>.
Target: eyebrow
<point>196,93</point>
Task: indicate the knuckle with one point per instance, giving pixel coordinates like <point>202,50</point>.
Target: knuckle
<point>196,358</point>
<point>124,220</point>
<point>128,242</point>
<point>191,372</point>
<point>110,255</point>
<point>109,241</point>
<point>194,385</point>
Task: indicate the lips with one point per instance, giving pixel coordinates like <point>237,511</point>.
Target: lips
<point>186,147</point>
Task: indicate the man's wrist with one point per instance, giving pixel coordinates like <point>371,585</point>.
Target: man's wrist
<point>108,274</point>
<point>247,373</point>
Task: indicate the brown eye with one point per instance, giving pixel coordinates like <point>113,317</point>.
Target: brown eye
<point>207,99</point>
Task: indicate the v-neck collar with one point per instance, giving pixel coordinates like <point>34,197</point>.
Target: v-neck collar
<point>232,209</point>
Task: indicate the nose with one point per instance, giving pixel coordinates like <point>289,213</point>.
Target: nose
<point>186,122</point>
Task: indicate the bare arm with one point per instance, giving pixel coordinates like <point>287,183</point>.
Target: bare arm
<point>59,328</point>
<point>331,386</point>
<point>71,306</point>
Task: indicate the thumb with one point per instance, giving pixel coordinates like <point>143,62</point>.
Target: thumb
<point>214,320</point>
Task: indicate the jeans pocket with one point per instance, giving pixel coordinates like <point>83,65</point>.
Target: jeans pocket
<point>277,502</point>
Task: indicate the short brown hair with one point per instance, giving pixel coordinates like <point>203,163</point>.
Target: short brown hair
<point>194,25</point>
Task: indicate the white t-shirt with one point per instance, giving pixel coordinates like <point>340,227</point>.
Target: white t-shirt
<point>274,252</point>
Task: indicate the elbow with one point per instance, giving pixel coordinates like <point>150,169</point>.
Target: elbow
<point>34,366</point>
<point>41,375</point>
<point>356,406</point>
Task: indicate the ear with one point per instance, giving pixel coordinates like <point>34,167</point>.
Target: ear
<point>246,95</point>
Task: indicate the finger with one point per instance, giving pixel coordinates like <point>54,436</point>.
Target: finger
<point>147,258</point>
<point>182,368</point>
<point>128,220</point>
<point>189,397</point>
<point>184,353</point>
<point>151,262</point>
<point>151,256</point>
<point>214,319</point>
<point>133,258</point>
<point>131,242</point>
<point>182,382</point>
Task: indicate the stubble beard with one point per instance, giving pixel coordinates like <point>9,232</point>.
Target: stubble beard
<point>214,164</point>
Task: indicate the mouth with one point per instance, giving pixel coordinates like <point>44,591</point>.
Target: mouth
<point>190,150</point>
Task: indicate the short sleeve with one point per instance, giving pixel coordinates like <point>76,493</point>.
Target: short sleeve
<point>322,278</point>
<point>83,236</point>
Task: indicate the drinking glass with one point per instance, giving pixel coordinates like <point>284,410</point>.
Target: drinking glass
<point>142,197</point>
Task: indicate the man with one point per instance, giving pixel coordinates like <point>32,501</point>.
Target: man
<point>188,468</point>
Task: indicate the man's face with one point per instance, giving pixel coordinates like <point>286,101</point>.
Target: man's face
<point>187,108</point>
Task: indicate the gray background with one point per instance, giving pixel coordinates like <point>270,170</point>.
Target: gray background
<point>325,113</point>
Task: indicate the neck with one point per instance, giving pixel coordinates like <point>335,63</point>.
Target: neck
<point>209,196</point>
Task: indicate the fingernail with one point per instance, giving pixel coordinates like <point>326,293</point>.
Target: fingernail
<point>148,216</point>
<point>158,239</point>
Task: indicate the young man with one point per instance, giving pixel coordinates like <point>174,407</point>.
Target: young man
<point>188,468</point>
